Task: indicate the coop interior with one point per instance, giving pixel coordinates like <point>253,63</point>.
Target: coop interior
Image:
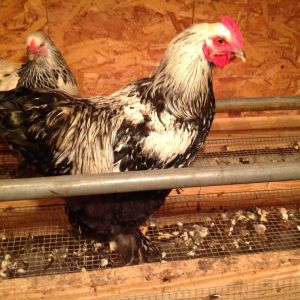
<point>238,241</point>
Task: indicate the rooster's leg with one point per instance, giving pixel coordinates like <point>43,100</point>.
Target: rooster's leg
<point>147,249</point>
<point>127,246</point>
<point>136,248</point>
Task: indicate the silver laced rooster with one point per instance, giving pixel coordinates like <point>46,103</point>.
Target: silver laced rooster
<point>45,67</point>
<point>154,123</point>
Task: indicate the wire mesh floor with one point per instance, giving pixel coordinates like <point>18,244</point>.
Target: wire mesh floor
<point>37,241</point>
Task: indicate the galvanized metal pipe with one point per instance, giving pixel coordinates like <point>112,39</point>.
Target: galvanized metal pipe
<point>66,186</point>
<point>258,104</point>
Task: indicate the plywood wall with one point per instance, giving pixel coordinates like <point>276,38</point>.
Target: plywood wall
<point>109,43</point>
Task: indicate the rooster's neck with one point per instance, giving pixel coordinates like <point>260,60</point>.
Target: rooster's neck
<point>32,75</point>
<point>184,88</point>
<point>183,78</point>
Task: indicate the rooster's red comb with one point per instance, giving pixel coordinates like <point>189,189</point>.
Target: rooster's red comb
<point>234,29</point>
<point>32,45</point>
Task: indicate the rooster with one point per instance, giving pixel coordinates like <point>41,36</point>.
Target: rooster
<point>45,67</point>
<point>153,123</point>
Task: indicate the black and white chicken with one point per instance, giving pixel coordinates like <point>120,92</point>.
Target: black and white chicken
<point>45,67</point>
<point>154,123</point>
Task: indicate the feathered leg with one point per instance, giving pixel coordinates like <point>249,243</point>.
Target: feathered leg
<point>137,248</point>
<point>147,249</point>
<point>127,247</point>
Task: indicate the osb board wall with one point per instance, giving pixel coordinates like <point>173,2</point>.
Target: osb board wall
<point>109,43</point>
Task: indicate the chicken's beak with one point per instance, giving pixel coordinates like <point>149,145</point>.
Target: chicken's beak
<point>31,56</point>
<point>32,51</point>
<point>240,54</point>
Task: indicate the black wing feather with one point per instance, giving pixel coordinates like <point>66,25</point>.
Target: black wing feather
<point>23,123</point>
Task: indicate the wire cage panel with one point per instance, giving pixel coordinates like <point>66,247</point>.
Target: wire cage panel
<point>250,150</point>
<point>38,241</point>
<point>287,289</point>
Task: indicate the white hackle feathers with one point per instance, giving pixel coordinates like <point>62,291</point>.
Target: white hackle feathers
<point>184,74</point>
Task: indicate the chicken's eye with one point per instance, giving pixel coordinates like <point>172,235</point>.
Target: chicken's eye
<point>220,41</point>
<point>42,44</point>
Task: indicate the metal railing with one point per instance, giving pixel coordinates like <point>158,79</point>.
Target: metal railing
<point>106,183</point>
<point>258,104</point>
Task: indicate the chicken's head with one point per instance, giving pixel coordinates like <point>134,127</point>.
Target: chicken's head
<point>223,43</point>
<point>37,45</point>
